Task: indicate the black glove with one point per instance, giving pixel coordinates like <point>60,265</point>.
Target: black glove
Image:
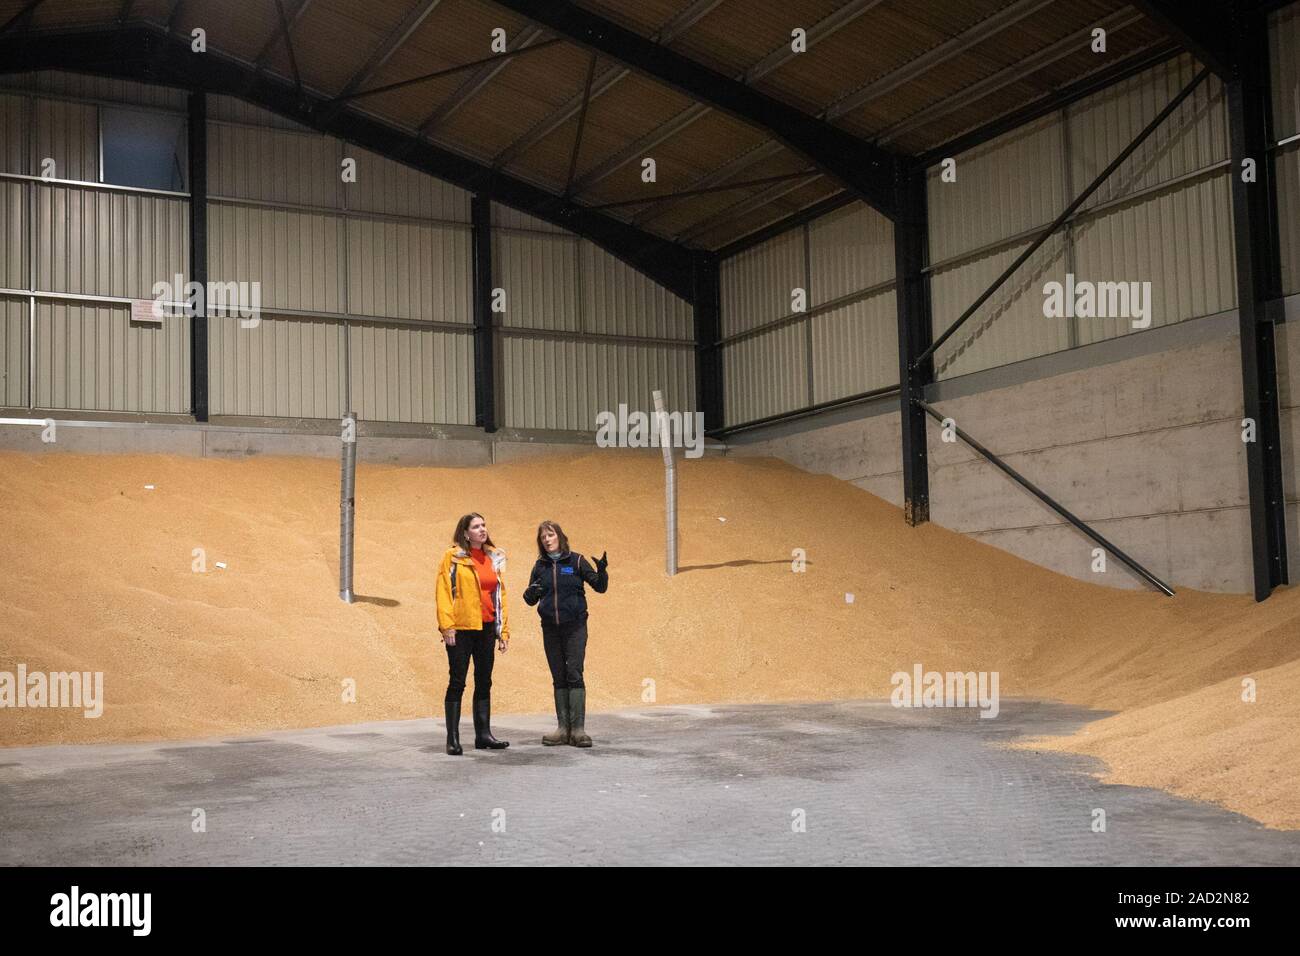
<point>603,561</point>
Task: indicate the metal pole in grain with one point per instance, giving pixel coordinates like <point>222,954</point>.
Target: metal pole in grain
<point>347,505</point>
<point>670,481</point>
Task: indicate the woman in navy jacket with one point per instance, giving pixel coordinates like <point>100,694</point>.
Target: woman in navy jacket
<point>556,587</point>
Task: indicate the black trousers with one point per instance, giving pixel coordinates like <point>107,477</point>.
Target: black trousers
<point>566,650</point>
<point>476,645</point>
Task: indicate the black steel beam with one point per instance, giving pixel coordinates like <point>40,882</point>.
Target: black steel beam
<point>1069,210</point>
<point>582,125</point>
<point>145,54</point>
<point>23,15</point>
<point>265,53</point>
<point>864,168</point>
<point>915,362</point>
<point>174,14</point>
<point>782,417</point>
<point>348,95</point>
<point>1255,234</point>
<point>1200,28</point>
<point>198,168</point>
<point>706,190</point>
<point>288,45</point>
<point>485,411</point>
<point>708,330</point>
<point>1046,499</point>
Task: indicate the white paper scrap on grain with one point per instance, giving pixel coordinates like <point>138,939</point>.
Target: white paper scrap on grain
<point>848,598</point>
<point>148,487</point>
<point>222,565</point>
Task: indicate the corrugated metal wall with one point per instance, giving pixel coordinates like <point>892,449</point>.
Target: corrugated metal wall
<point>616,298</point>
<point>365,286</point>
<point>406,270</point>
<point>81,249</point>
<point>855,348</point>
<point>539,273</point>
<point>247,162</point>
<point>850,250</point>
<point>1012,327</point>
<point>583,332</point>
<point>1162,217</point>
<point>766,374</point>
<point>96,242</point>
<point>844,343</point>
<point>334,261</point>
<point>296,257</point>
<point>757,285</point>
<point>1179,240</point>
<point>13,227</point>
<point>408,374</point>
<point>14,325</point>
<point>503,217</point>
<point>13,126</point>
<point>67,133</point>
<point>565,383</point>
<point>93,358</point>
<point>229,109</point>
<point>282,368</point>
<point>385,186</point>
<point>1285,60</point>
<point>1002,188</point>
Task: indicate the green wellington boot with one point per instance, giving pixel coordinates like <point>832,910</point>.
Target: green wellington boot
<point>561,733</point>
<point>578,717</point>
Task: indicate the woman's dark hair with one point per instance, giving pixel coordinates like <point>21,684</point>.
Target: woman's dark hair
<point>461,535</point>
<point>559,533</point>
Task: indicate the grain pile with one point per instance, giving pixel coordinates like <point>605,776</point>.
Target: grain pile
<point>98,576</point>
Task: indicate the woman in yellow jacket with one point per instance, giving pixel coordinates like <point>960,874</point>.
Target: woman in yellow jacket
<point>471,616</point>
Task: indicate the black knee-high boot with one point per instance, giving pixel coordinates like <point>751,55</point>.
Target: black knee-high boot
<point>453,728</point>
<point>483,739</point>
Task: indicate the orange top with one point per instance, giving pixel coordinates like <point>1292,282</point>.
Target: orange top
<point>487,583</point>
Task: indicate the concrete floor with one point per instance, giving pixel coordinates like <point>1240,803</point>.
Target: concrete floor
<point>669,785</point>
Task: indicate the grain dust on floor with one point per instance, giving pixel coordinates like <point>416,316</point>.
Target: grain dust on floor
<point>100,574</point>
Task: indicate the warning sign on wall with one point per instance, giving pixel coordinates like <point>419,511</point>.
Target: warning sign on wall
<point>146,310</point>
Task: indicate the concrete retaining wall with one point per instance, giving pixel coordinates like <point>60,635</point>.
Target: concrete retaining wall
<point>1140,438</point>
